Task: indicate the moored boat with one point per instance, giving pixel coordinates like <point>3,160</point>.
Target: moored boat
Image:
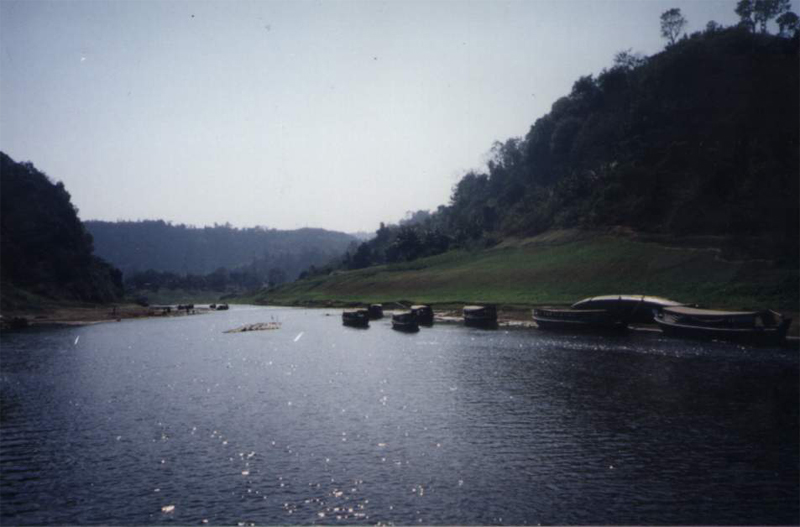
<point>357,318</point>
<point>751,327</point>
<point>375,311</point>
<point>480,316</point>
<point>632,308</point>
<point>424,314</point>
<point>568,319</point>
<point>405,321</point>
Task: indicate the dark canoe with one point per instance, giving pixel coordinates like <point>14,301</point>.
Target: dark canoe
<point>405,321</point>
<point>763,328</point>
<point>572,320</point>
<point>639,309</point>
<point>375,311</point>
<point>480,316</point>
<point>357,318</point>
<point>424,314</point>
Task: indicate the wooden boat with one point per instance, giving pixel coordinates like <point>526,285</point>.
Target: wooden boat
<point>375,311</point>
<point>405,321</point>
<point>568,319</point>
<point>424,314</point>
<point>639,309</point>
<point>357,318</point>
<point>751,327</point>
<point>480,316</point>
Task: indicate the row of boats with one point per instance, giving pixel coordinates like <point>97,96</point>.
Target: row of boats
<point>407,320</point>
<point>611,313</point>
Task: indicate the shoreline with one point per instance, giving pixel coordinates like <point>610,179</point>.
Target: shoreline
<point>508,316</point>
<point>87,315</point>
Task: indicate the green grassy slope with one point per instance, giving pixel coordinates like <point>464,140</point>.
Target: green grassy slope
<point>556,268</point>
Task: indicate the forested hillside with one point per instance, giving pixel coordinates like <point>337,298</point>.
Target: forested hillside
<point>698,140</point>
<point>44,248</point>
<point>138,246</point>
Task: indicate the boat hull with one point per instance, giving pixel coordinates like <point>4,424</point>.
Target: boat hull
<point>356,319</point>
<point>424,315</point>
<point>406,321</point>
<point>480,317</point>
<point>573,320</point>
<point>771,336</point>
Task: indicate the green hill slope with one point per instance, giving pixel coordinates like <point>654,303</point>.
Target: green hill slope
<point>556,267</point>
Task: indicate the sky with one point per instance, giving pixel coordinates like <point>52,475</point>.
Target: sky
<point>333,114</point>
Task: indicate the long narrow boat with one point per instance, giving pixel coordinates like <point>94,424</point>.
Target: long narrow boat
<point>480,316</point>
<point>633,308</point>
<point>752,327</point>
<point>587,320</point>
<point>357,318</point>
<point>424,314</point>
<point>405,321</point>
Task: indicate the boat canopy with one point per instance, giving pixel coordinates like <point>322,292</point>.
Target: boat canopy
<point>653,300</point>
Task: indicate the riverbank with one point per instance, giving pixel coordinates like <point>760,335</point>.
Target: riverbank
<point>557,268</point>
<point>79,315</point>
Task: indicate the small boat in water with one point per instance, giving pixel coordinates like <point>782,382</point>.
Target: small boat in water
<point>375,311</point>
<point>424,314</point>
<point>751,327</point>
<point>632,308</point>
<point>357,318</point>
<point>568,319</point>
<point>480,316</point>
<point>405,321</point>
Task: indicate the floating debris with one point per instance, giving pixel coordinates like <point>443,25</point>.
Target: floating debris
<point>261,326</point>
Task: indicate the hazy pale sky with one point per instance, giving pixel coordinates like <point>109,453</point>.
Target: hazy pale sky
<point>334,114</point>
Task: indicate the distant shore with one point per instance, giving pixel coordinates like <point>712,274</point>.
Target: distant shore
<point>85,315</point>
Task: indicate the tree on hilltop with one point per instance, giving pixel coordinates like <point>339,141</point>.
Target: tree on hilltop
<point>672,23</point>
<point>754,13</point>
<point>788,24</point>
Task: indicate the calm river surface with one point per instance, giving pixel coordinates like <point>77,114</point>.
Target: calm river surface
<point>171,421</point>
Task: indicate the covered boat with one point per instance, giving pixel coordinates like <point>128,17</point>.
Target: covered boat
<point>405,321</point>
<point>633,308</point>
<point>593,320</point>
<point>358,318</point>
<point>424,314</point>
<point>375,311</point>
<point>480,316</point>
<point>753,327</point>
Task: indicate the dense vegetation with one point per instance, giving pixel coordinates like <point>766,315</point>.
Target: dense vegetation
<point>156,254</point>
<point>45,249</point>
<point>700,139</point>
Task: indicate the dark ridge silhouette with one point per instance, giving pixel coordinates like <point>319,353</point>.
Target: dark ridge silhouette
<point>44,248</point>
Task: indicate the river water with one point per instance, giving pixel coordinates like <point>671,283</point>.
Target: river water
<point>172,421</point>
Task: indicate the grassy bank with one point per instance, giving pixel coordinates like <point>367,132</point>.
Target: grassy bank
<point>556,268</point>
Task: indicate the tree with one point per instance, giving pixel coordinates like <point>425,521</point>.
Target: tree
<point>754,13</point>
<point>766,10</point>
<point>745,11</point>
<point>628,60</point>
<point>672,23</point>
<point>713,26</point>
<point>788,24</point>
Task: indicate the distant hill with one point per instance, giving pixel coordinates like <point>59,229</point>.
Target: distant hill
<point>138,246</point>
<point>45,249</point>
